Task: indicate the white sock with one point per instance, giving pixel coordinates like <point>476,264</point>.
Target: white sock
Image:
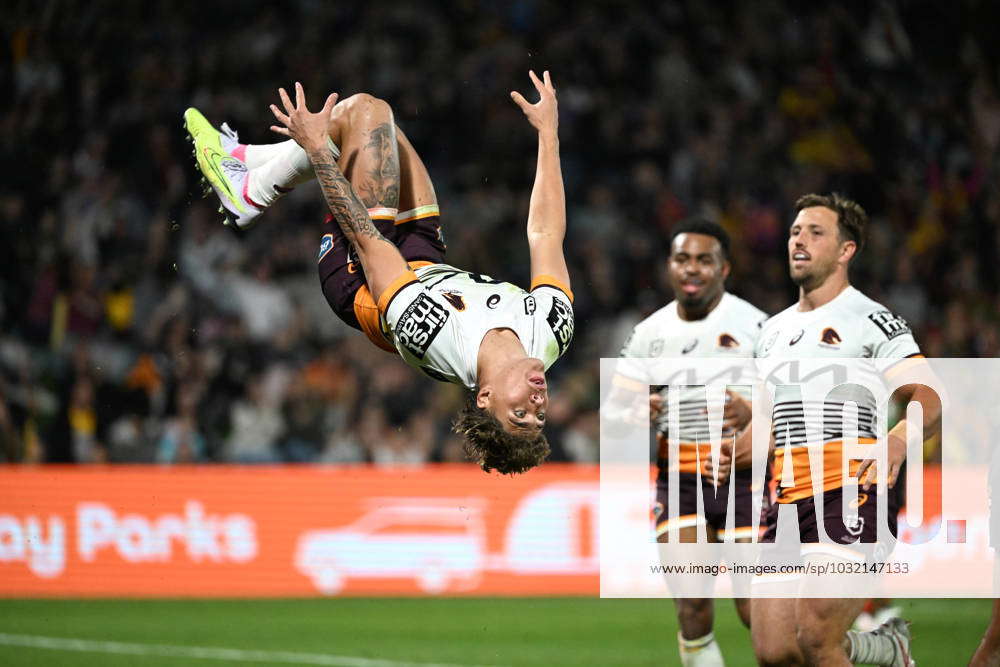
<point>257,154</point>
<point>275,169</point>
<point>700,652</point>
<point>869,648</point>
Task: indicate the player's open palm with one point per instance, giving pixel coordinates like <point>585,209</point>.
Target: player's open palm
<point>543,114</point>
<point>308,129</point>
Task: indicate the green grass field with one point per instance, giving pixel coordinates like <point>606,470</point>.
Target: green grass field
<point>389,632</point>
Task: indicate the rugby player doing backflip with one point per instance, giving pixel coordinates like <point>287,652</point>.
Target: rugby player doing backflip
<point>381,261</point>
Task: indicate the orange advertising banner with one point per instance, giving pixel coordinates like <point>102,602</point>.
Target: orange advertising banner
<point>297,531</point>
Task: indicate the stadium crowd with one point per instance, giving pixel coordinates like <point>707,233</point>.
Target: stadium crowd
<point>134,327</point>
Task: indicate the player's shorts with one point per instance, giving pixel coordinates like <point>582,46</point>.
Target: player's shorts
<point>715,503</point>
<point>852,535</point>
<point>418,236</point>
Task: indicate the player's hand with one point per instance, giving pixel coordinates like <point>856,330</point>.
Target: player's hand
<point>308,129</point>
<point>725,463</point>
<point>543,114</point>
<point>655,405</point>
<point>894,458</point>
<point>737,413</point>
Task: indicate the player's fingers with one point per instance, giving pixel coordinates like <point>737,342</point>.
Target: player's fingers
<point>280,116</point>
<point>893,474</point>
<point>548,81</point>
<point>331,101</point>
<point>285,101</point>
<point>863,469</point>
<point>300,97</point>
<point>281,130</point>
<point>519,100</point>
<point>535,80</point>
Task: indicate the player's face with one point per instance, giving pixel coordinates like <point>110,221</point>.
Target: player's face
<point>814,247</point>
<point>697,270</point>
<point>521,398</point>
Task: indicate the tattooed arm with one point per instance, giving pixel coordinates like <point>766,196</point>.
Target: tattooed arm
<point>380,259</point>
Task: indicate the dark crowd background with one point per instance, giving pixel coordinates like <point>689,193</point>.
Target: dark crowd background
<point>134,327</point>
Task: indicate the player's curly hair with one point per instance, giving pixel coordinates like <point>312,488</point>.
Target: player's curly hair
<point>852,221</point>
<point>493,448</point>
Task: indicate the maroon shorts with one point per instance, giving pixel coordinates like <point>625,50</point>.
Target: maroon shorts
<point>714,500</point>
<point>340,272</point>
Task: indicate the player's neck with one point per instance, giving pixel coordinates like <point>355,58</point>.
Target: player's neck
<point>693,313</point>
<point>827,291</point>
<point>500,348</point>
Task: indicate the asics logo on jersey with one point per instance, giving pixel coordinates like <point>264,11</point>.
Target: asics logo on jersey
<point>830,336</point>
<point>797,337</point>
<point>690,346</point>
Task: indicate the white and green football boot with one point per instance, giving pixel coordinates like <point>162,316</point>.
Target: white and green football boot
<point>226,174</point>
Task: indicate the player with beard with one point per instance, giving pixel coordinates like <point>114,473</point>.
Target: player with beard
<point>704,320</point>
<point>381,265</point>
<point>830,320</point>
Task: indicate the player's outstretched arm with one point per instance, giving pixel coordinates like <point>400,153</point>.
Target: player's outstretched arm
<point>380,259</point>
<point>547,212</point>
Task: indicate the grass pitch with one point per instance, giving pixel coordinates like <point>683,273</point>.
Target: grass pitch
<point>390,632</point>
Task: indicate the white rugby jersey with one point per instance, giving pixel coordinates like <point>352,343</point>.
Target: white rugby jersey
<point>848,327</point>
<point>730,330</point>
<point>438,322</point>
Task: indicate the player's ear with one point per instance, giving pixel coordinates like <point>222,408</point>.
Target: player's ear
<point>484,397</point>
<point>848,250</point>
<point>726,267</point>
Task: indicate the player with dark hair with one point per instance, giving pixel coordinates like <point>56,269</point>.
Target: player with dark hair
<point>704,320</point>
<point>830,320</point>
<point>381,265</point>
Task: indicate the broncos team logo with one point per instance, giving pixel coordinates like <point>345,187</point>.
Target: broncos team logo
<point>455,299</point>
<point>727,341</point>
<point>830,336</point>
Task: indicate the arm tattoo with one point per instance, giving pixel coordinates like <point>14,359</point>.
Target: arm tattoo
<point>381,188</point>
<point>350,213</point>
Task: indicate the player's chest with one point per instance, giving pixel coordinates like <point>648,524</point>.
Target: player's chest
<point>701,341</point>
<point>813,338</point>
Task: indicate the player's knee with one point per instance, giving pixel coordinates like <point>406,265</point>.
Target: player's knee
<point>814,642</point>
<point>362,105</point>
<point>773,649</point>
<point>776,656</point>
<point>694,615</point>
<point>743,610</point>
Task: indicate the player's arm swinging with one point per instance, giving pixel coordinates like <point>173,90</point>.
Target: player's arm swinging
<point>547,211</point>
<point>379,258</point>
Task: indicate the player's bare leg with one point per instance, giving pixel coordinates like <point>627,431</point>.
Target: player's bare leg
<point>364,129</point>
<point>695,616</point>
<point>988,653</point>
<point>773,632</point>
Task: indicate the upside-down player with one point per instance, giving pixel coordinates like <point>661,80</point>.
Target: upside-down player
<point>382,270</point>
<point>703,321</point>
<point>830,320</point>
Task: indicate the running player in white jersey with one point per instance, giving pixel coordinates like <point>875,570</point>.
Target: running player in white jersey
<point>703,321</point>
<point>831,320</point>
<point>492,337</point>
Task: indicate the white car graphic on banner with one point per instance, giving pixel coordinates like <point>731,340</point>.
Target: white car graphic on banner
<point>439,542</point>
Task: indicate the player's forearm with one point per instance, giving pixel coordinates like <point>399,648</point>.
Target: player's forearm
<point>547,211</point>
<point>930,403</point>
<point>347,209</point>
